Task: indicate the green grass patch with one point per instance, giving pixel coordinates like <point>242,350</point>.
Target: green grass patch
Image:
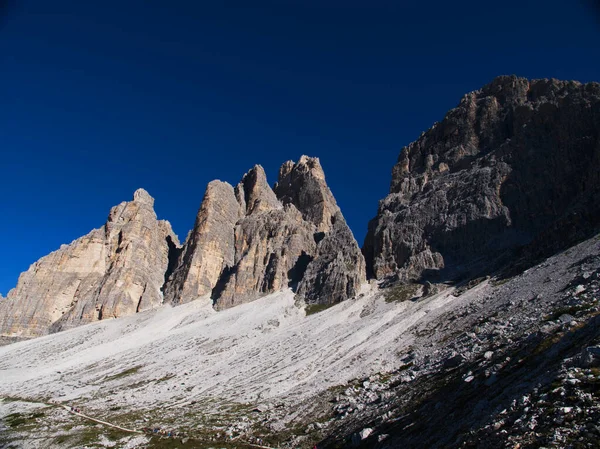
<point>405,367</point>
<point>127,372</point>
<point>547,343</point>
<point>20,419</point>
<point>165,378</point>
<point>311,309</point>
<point>469,285</point>
<point>90,436</point>
<point>171,443</point>
<point>401,292</point>
<point>497,282</point>
<point>572,310</point>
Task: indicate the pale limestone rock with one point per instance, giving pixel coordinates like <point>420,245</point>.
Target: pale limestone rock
<point>209,248</point>
<point>254,193</point>
<point>270,249</point>
<point>113,271</point>
<point>264,244</point>
<point>246,242</point>
<point>338,268</point>
<point>306,245</point>
<point>303,185</point>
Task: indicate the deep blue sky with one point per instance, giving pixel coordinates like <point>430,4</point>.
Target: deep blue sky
<point>100,98</point>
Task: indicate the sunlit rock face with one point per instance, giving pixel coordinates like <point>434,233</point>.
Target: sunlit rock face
<point>248,241</point>
<point>263,240</point>
<point>514,165</point>
<point>113,271</point>
<point>209,248</point>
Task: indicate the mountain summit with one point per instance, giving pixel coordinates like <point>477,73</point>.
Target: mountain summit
<point>478,316</point>
<point>113,271</point>
<point>247,241</point>
<point>252,240</point>
<point>514,165</point>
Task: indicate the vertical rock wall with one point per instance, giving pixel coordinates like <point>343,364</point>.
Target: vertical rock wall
<point>514,165</point>
<point>278,236</point>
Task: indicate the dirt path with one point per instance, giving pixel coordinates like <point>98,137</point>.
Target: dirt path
<point>67,408</point>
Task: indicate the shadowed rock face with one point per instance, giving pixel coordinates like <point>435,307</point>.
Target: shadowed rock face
<point>268,246</point>
<point>514,164</point>
<point>338,268</point>
<point>113,271</point>
<point>272,240</point>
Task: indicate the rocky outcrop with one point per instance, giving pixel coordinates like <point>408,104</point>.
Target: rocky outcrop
<point>270,249</point>
<point>113,271</point>
<point>514,165</point>
<point>338,268</point>
<point>303,185</point>
<point>209,248</point>
<point>254,193</point>
<point>247,241</point>
<point>271,239</point>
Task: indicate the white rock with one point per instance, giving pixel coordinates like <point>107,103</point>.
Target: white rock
<point>365,433</point>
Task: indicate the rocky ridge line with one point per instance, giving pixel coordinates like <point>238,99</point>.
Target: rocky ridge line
<point>113,271</point>
<point>514,165</point>
<point>291,236</point>
<point>247,241</point>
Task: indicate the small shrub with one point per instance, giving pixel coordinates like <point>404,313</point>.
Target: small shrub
<point>311,309</point>
<point>401,292</point>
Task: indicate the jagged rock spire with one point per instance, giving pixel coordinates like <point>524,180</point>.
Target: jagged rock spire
<point>113,271</point>
<point>209,248</point>
<point>275,237</point>
<point>254,193</point>
<point>303,185</point>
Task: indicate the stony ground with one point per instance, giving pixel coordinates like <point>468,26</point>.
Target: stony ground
<point>495,362</point>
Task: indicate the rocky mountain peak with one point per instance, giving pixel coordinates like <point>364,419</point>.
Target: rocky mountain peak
<point>113,271</point>
<point>142,196</point>
<point>511,165</point>
<point>209,247</point>
<point>254,193</point>
<point>303,185</point>
<point>263,240</point>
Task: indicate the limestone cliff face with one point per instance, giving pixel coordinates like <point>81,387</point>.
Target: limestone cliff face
<point>337,268</point>
<point>113,271</point>
<point>268,247</point>
<point>209,248</point>
<point>303,185</point>
<point>247,241</point>
<point>271,238</point>
<point>514,164</point>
